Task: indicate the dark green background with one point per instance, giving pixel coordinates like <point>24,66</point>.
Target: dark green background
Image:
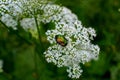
<point>103,15</point>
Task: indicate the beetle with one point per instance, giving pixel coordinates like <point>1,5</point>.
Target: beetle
<point>61,40</point>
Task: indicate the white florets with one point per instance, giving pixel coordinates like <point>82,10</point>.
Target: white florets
<point>78,49</point>
<point>28,23</point>
<point>9,21</point>
<point>75,71</point>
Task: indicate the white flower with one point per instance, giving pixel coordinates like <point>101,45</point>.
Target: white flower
<point>28,23</point>
<point>9,21</point>
<point>74,71</point>
<point>73,46</point>
<point>70,41</point>
<point>78,49</point>
<point>17,10</point>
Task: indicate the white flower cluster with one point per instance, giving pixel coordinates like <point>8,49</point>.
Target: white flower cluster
<point>1,65</point>
<point>23,13</point>
<point>9,21</point>
<point>70,41</point>
<point>78,50</point>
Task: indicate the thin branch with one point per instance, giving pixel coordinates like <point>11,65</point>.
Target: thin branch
<point>39,35</point>
<point>15,33</point>
<point>35,55</point>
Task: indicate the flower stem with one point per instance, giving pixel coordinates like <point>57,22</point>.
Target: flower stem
<point>36,67</point>
<point>39,35</point>
<point>39,44</point>
<point>30,43</point>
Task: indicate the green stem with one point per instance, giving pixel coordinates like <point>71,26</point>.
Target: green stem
<point>39,35</point>
<point>35,55</point>
<point>15,33</point>
<point>36,67</point>
<point>40,42</point>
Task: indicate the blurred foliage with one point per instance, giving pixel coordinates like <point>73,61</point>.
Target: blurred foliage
<point>19,58</point>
